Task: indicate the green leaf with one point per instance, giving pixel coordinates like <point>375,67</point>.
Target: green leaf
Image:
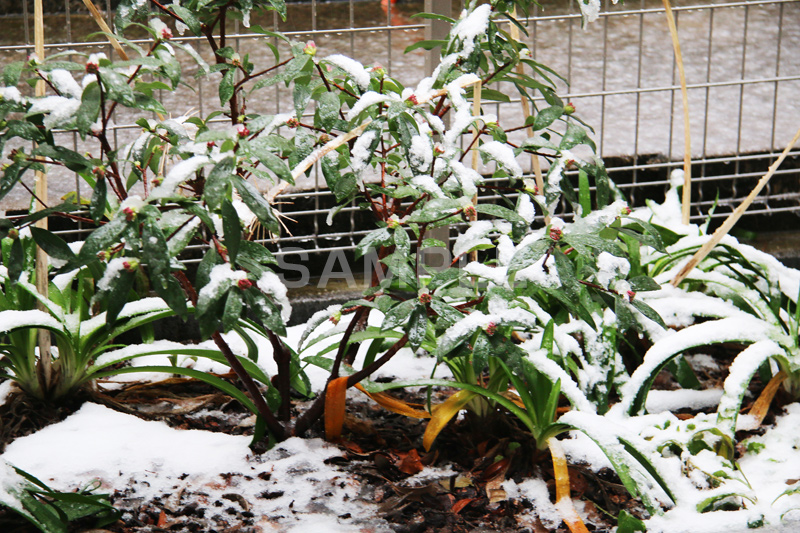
<point>643,284</point>
<point>425,45</point>
<point>574,136</point>
<point>436,209</point>
<point>188,18</point>
<point>257,204</point>
<point>301,94</point>
<point>116,87</point>
<point>547,116</point>
<point>216,188</point>
<point>232,227</point>
<point>100,239</point>
<point>233,310</point>
<point>272,162</point>
<point>627,523</point>
<point>373,240</point>
<point>157,256</point>
<point>399,314</point>
<point>417,326</point>
<point>89,109</point>
<point>97,207</point>
<point>328,106</point>
<point>52,244</point>
<point>226,86</point>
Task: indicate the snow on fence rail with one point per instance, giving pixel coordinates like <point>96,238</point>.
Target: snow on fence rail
<point>743,75</point>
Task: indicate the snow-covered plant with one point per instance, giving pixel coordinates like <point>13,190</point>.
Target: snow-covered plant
<point>48,509</point>
<point>516,297</point>
<point>738,295</point>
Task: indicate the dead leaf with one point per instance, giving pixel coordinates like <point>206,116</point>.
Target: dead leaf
<point>409,463</point>
<point>335,396</point>
<point>460,504</point>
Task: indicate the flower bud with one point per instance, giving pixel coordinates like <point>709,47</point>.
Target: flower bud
<point>166,33</point>
<point>130,213</point>
<point>242,131</point>
<point>378,70</point>
<point>210,145</point>
<point>630,295</point>
<point>556,233</point>
<point>104,255</point>
<point>425,298</point>
<point>438,149</point>
<point>92,67</point>
<point>412,100</point>
<point>292,122</point>
<point>13,234</point>
<point>310,48</point>
<point>336,317</point>
<point>469,211</point>
<point>626,210</point>
<point>130,265</point>
<point>324,138</point>
<point>244,284</point>
<point>569,108</point>
<point>491,329</point>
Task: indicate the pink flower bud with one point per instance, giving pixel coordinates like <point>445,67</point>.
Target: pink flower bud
<point>292,122</point>
<point>13,234</point>
<point>626,210</point>
<point>130,213</point>
<point>242,131</point>
<point>413,99</point>
<point>569,108</point>
<point>244,284</point>
<point>130,266</point>
<point>310,48</point>
<point>210,145</point>
<point>469,211</point>
<point>425,298</point>
<point>556,233</point>
<point>491,329</point>
<point>92,67</point>
<point>631,295</point>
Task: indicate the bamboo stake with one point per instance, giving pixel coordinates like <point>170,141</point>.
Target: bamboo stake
<point>735,216</point>
<point>686,199</point>
<point>315,156</point>
<point>563,499</point>
<point>40,186</point>
<point>476,132</point>
<point>98,17</point>
<point>526,112</point>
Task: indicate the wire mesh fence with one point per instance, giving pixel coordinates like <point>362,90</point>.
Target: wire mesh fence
<point>742,67</point>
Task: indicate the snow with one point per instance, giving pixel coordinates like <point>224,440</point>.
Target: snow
<point>610,268</point>
<point>178,174</point>
<point>60,110</point>
<point>360,154</point>
<point>368,99</point>
<point>474,236</point>
<point>113,269</point>
<point>65,83</point>
<point>421,153</point>
<point>671,400</point>
<point>271,284</point>
<point>123,451</point>
<point>504,156</point>
<point>353,68</point>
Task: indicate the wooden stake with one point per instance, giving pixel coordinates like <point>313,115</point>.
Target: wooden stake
<point>45,363</point>
<point>476,132</point>
<point>98,17</point>
<point>686,199</point>
<point>733,217</point>
<point>526,112</point>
